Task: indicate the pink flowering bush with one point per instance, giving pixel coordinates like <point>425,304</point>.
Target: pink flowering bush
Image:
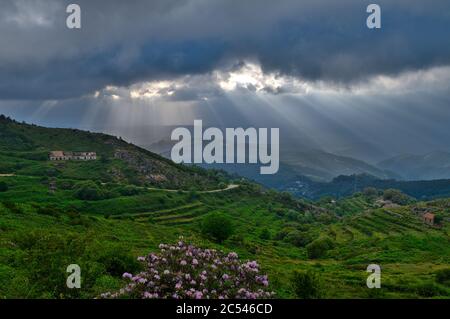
<point>184,271</point>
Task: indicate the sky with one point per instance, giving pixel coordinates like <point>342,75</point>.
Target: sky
<point>311,68</point>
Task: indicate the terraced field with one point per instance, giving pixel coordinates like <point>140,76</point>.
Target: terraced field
<point>379,223</point>
<point>174,216</point>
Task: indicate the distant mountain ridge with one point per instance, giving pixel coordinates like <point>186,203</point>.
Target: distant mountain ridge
<point>430,166</point>
<point>313,173</point>
<point>325,166</point>
<point>315,164</point>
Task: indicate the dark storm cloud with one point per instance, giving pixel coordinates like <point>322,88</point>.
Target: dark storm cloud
<point>123,42</point>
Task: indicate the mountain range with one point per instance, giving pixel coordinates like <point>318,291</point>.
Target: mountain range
<point>434,165</point>
<point>313,173</point>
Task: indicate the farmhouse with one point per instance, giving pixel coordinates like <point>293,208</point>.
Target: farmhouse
<point>428,218</point>
<point>77,156</point>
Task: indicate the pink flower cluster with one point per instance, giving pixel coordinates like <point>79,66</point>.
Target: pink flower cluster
<point>184,271</point>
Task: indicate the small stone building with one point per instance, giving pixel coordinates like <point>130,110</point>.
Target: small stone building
<point>66,156</point>
<point>428,218</point>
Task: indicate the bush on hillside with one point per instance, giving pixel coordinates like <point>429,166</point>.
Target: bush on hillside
<point>443,276</point>
<point>217,226</point>
<point>438,219</point>
<point>370,192</point>
<point>396,196</point>
<point>13,207</point>
<point>319,247</point>
<point>186,272</point>
<point>3,187</point>
<point>48,210</point>
<point>129,190</point>
<point>118,261</point>
<point>429,290</point>
<point>280,235</point>
<point>88,190</point>
<point>265,234</point>
<point>307,285</point>
<point>297,238</point>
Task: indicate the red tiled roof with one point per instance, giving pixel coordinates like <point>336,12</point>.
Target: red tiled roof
<point>57,153</point>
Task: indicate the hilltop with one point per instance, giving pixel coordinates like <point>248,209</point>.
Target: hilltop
<point>24,150</point>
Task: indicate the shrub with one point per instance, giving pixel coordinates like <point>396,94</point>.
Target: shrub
<point>396,196</point>
<point>117,261</point>
<point>299,239</point>
<point>438,219</point>
<point>129,190</point>
<point>13,207</point>
<point>370,192</point>
<point>186,272</point>
<point>48,210</point>
<point>443,276</point>
<point>429,290</point>
<point>237,239</point>
<point>319,247</point>
<point>65,185</point>
<point>217,226</point>
<point>307,285</point>
<point>3,187</point>
<point>265,234</point>
<point>282,234</point>
<point>88,191</point>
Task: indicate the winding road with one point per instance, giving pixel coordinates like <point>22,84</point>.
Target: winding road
<point>231,186</point>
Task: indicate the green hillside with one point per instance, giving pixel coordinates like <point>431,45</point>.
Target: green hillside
<point>24,150</point>
<point>56,214</point>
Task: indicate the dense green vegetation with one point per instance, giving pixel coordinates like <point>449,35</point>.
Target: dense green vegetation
<point>343,186</point>
<point>56,214</point>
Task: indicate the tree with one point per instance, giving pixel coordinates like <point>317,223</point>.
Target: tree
<point>88,191</point>
<point>319,247</point>
<point>297,238</point>
<point>396,196</point>
<point>307,285</point>
<point>217,226</point>
<point>370,192</point>
<point>438,219</point>
<point>265,234</point>
<point>443,276</point>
